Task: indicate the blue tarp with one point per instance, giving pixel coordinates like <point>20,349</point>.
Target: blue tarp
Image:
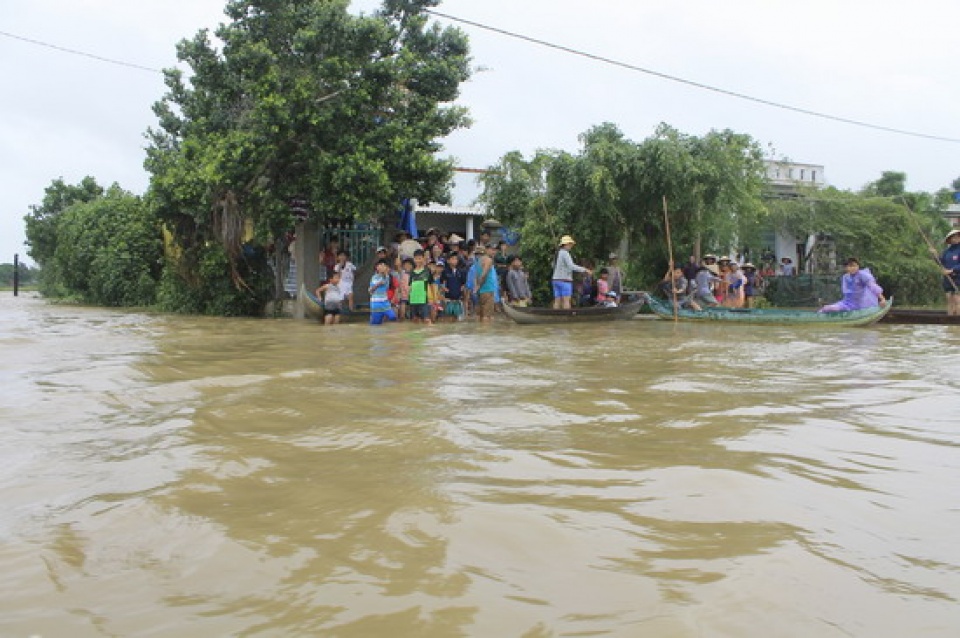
<point>408,218</point>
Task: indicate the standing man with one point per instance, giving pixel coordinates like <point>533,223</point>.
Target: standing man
<point>950,260</point>
<point>486,285</point>
<point>518,287</point>
<point>563,270</point>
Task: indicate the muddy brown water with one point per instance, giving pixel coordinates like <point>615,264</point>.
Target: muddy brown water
<point>183,476</point>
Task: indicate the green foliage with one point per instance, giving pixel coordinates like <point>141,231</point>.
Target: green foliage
<point>108,250</point>
<point>613,191</point>
<point>890,184</point>
<point>882,232</point>
<point>304,99</point>
<point>28,276</point>
<point>41,226</point>
<point>194,284</point>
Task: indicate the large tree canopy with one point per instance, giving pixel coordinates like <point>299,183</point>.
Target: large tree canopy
<point>613,190</point>
<point>304,99</point>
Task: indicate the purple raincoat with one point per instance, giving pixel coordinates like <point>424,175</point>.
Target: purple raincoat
<point>859,291</point>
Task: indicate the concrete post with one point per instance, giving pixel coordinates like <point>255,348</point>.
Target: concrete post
<point>306,252</point>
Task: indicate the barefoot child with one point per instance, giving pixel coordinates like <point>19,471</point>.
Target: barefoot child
<point>332,299</point>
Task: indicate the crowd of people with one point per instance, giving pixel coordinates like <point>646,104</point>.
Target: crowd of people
<point>714,281</point>
<point>446,278</point>
<point>440,278</point>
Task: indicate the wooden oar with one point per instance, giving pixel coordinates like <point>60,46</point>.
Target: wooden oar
<point>933,250</point>
<point>673,283</point>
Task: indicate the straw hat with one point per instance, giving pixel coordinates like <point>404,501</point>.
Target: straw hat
<point>566,239</point>
<point>454,239</point>
<point>724,258</point>
<point>709,256</point>
<point>955,231</point>
<point>748,265</point>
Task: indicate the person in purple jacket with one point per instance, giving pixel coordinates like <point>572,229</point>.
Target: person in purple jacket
<point>860,289</point>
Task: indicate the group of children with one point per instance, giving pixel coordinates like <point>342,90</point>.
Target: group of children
<point>430,282</point>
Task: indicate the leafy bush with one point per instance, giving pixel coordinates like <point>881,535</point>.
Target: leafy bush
<point>107,251</point>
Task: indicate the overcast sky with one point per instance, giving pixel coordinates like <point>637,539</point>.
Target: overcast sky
<point>884,62</point>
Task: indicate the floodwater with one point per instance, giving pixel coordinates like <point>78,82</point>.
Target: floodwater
<point>181,476</point>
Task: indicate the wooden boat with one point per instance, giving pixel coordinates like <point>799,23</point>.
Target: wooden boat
<point>931,317</point>
<point>770,316</point>
<point>313,308</point>
<point>573,315</point>
<point>311,303</point>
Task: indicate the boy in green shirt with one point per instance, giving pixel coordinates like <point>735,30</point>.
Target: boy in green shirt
<point>420,279</point>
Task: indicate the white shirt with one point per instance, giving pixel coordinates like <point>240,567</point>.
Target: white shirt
<point>346,277</point>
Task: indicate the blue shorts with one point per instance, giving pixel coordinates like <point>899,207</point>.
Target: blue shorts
<point>562,288</point>
<point>376,318</point>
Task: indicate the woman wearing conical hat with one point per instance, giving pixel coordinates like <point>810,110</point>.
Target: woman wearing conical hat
<point>950,260</point>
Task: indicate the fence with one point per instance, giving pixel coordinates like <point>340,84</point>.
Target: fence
<point>802,290</point>
<point>359,240</point>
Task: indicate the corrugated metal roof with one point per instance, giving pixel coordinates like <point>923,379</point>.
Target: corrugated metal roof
<point>432,207</point>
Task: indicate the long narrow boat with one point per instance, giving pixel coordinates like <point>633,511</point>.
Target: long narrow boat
<point>573,315</point>
<point>771,316</point>
<point>932,317</point>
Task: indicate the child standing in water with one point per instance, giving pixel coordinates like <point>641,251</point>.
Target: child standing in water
<point>332,299</point>
<point>346,269</point>
<point>406,268</point>
<point>420,281</point>
<point>380,307</point>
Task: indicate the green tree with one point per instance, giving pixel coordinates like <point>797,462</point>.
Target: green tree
<point>883,232</point>
<point>41,225</point>
<point>613,190</point>
<point>890,184</point>
<point>28,275</point>
<point>109,250</point>
<point>303,99</point>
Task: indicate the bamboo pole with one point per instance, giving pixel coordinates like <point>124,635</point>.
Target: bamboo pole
<point>673,285</point>
<point>933,250</point>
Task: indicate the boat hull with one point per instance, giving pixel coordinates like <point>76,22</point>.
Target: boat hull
<point>311,303</point>
<point>921,317</point>
<point>574,315</point>
<point>770,316</point>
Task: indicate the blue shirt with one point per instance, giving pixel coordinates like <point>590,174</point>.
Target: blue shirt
<point>453,282</point>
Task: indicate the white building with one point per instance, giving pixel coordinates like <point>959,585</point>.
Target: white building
<point>787,179</point>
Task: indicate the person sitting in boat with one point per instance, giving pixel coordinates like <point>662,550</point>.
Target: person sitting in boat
<point>752,284</point>
<point>710,263</point>
<point>734,297</point>
<point>703,286</point>
<point>950,260</point>
<point>860,289</point>
<point>605,297</point>
<point>676,289</point>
